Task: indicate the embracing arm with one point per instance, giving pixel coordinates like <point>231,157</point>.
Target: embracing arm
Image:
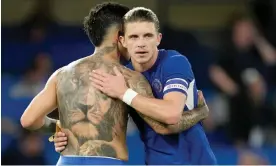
<point>190,118</point>
<point>168,110</point>
<point>177,79</point>
<point>34,117</point>
<point>186,120</point>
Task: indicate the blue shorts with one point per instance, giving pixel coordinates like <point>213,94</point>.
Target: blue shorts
<point>89,160</point>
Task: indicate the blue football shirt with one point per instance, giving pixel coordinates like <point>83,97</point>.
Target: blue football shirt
<point>172,72</point>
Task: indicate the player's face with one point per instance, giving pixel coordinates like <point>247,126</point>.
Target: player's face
<point>141,40</point>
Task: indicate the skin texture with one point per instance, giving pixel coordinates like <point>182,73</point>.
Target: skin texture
<point>94,123</point>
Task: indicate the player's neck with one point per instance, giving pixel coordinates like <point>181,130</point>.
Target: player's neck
<point>108,51</point>
<point>145,66</point>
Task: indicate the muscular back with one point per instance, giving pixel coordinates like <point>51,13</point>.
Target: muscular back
<point>94,123</point>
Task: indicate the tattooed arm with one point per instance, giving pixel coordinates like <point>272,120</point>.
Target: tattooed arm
<point>190,118</point>
<point>45,102</point>
<point>138,83</point>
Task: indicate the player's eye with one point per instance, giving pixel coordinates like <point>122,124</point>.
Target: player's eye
<point>133,36</point>
<point>148,35</point>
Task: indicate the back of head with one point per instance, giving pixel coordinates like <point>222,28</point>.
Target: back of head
<point>141,14</point>
<point>101,18</point>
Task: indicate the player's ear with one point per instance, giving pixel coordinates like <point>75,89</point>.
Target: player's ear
<point>159,38</point>
<point>122,40</point>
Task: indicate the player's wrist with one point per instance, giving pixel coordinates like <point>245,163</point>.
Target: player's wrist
<point>128,96</point>
<point>121,93</point>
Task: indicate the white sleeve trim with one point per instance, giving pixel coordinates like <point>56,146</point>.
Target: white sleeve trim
<point>179,79</point>
<point>175,86</point>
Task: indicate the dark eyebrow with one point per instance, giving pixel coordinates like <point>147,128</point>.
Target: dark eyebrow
<point>132,36</point>
<point>148,34</point>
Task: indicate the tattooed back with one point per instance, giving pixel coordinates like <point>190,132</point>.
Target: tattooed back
<point>94,123</point>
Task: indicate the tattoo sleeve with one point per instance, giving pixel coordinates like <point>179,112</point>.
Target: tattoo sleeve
<point>189,118</point>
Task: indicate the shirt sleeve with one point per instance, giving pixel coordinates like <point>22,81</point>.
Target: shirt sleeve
<point>178,74</point>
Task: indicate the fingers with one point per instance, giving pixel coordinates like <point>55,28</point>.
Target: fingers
<point>60,144</point>
<point>96,75</point>
<point>60,141</point>
<point>60,137</point>
<point>98,86</point>
<point>116,71</point>
<point>98,79</point>
<point>97,82</point>
<point>201,100</point>
<point>200,95</point>
<point>60,149</point>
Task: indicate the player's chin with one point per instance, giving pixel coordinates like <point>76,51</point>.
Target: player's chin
<point>142,60</point>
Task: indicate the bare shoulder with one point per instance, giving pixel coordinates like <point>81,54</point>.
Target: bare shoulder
<point>53,79</point>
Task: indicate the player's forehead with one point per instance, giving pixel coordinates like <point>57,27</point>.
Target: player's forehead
<point>139,28</point>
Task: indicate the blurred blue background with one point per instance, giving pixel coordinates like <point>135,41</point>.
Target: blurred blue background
<point>230,44</point>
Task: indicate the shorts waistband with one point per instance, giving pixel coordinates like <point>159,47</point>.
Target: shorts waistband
<point>89,160</point>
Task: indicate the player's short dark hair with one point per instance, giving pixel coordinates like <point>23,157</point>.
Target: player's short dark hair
<point>139,14</point>
<point>102,17</point>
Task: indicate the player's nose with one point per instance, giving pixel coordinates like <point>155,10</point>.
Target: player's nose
<point>141,46</point>
<point>141,43</point>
